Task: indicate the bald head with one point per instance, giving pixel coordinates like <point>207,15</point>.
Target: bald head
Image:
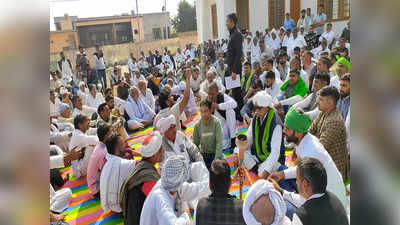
<point>263,210</point>
<point>134,92</point>
<point>142,85</point>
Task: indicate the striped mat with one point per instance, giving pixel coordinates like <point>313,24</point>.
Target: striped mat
<point>85,209</point>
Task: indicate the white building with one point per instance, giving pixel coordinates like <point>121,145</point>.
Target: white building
<point>261,14</point>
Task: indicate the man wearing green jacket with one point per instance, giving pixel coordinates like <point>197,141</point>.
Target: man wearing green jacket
<point>292,91</point>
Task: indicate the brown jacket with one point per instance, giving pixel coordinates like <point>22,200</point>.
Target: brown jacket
<point>331,132</point>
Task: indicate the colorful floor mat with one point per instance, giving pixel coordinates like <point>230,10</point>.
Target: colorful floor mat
<point>85,209</point>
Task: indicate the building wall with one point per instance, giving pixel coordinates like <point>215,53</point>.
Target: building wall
<point>137,23</point>
<point>258,11</point>
<point>121,52</point>
<point>155,20</point>
<point>63,39</point>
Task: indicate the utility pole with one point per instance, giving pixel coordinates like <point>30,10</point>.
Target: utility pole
<point>137,19</point>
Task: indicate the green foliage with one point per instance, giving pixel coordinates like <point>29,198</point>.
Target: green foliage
<point>185,20</point>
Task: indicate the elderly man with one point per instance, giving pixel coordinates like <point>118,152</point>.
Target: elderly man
<point>79,108</point>
<point>307,145</point>
<point>207,134</point>
<point>317,203</point>
<point>223,107</point>
<point>113,174</point>
<point>53,104</point>
<point>210,77</point>
<point>264,205</point>
<point>58,137</point>
<point>175,142</point>
<point>136,77</point>
<point>266,151</point>
<point>81,140</point>
<point>139,113</point>
<point>141,179</point>
<point>309,104</point>
<point>220,207</point>
<point>146,95</point>
<point>166,202</point>
<point>168,105</point>
<point>65,113</point>
<point>94,99</point>
<point>329,128</point>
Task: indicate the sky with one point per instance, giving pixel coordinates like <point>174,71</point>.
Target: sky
<point>95,8</point>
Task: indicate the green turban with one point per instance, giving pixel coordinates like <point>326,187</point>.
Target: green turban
<point>344,61</point>
<point>296,121</point>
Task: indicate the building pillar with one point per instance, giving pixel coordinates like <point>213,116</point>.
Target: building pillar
<point>223,9</point>
<point>114,34</point>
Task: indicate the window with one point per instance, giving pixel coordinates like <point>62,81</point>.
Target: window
<point>157,33</point>
<point>276,13</point>
<point>336,9</point>
<point>58,26</point>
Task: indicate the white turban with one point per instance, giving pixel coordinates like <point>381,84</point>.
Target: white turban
<point>135,69</point>
<point>63,90</point>
<point>182,85</point>
<point>62,107</point>
<point>263,99</point>
<point>273,31</point>
<point>151,145</point>
<point>81,83</point>
<point>174,172</point>
<point>256,190</point>
<point>165,123</point>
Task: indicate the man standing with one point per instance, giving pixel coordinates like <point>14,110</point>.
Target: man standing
<point>233,59</point>
<point>207,135</point>
<point>64,65</point>
<point>100,67</point>
<point>302,20</point>
<point>329,128</point>
<point>220,207</point>
<point>318,21</point>
<point>82,62</point>
<point>141,179</point>
<point>289,23</point>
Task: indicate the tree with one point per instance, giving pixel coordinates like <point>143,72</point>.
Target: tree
<point>185,20</point>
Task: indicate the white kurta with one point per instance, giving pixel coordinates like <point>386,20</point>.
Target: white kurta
<point>94,102</point>
<point>59,200</point>
<point>159,206</point>
<point>271,164</point>
<point>86,110</point>
<point>148,99</point>
<point>228,124</point>
<point>311,147</point>
<point>80,140</point>
<point>113,174</point>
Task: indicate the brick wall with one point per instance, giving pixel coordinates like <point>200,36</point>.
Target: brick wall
<point>121,52</point>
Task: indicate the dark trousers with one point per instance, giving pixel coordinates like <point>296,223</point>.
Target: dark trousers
<point>101,74</point>
<point>237,95</point>
<point>208,159</point>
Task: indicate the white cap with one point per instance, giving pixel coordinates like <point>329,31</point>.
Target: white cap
<point>263,99</point>
<point>264,187</point>
<point>165,123</point>
<point>151,145</point>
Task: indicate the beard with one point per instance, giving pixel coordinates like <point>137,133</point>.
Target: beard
<point>343,95</point>
<point>292,138</point>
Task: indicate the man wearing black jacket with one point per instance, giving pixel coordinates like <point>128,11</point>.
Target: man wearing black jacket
<point>233,59</point>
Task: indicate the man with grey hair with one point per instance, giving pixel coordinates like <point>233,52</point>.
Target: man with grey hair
<point>139,113</point>
<point>166,203</point>
<point>223,107</point>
